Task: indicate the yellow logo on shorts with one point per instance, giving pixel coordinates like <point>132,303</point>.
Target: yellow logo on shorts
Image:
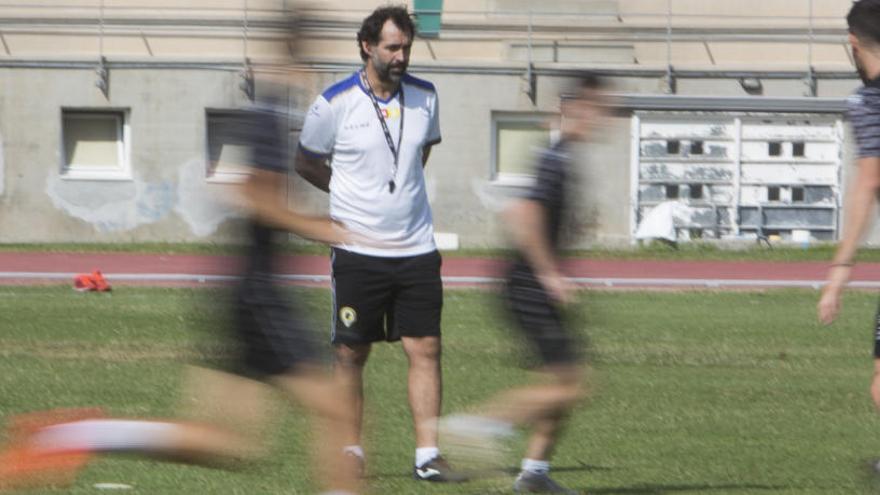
<point>348,316</point>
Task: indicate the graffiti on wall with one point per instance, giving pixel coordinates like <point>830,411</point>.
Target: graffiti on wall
<point>200,204</point>
<point>114,206</point>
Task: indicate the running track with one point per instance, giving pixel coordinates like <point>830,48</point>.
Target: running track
<point>188,270</point>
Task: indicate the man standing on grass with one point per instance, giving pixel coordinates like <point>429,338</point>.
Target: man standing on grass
<point>376,128</point>
<point>536,292</point>
<point>864,114</point>
<point>270,345</point>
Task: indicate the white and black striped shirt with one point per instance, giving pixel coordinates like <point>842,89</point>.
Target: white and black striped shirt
<point>864,114</point>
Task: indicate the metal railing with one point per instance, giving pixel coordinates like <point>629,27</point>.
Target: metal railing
<point>531,26</point>
<point>16,12</point>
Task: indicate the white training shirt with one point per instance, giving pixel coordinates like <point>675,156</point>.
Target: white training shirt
<point>342,125</point>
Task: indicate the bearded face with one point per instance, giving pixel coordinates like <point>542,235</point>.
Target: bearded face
<point>389,70</point>
<point>389,58</point>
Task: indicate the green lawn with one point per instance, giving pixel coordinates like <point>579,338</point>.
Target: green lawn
<point>695,392</point>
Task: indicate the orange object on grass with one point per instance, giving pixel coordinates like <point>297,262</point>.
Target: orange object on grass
<point>91,282</point>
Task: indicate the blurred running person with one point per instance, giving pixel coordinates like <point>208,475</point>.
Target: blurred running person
<point>271,344</point>
<point>536,292</point>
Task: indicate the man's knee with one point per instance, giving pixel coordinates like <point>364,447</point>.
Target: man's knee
<point>571,383</point>
<point>422,350</point>
<point>350,356</point>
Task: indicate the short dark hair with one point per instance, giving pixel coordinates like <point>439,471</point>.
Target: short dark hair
<point>864,20</point>
<point>371,28</point>
<point>585,80</point>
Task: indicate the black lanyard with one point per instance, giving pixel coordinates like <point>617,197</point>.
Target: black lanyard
<point>395,150</point>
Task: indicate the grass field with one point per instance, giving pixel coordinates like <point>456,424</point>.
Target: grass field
<point>695,392</point>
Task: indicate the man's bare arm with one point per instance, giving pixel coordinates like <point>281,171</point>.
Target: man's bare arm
<point>859,208</point>
<point>314,170</point>
<point>262,196</point>
<point>524,219</point>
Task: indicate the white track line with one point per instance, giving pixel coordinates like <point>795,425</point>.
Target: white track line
<point>460,280</point>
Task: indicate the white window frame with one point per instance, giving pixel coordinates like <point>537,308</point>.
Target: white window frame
<point>211,174</point>
<point>123,146</point>
<point>737,159</point>
<point>503,117</point>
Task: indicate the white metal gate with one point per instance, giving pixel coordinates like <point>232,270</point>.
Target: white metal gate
<point>736,175</point>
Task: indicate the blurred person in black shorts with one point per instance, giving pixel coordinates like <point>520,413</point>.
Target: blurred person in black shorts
<point>269,343</point>
<point>535,293</point>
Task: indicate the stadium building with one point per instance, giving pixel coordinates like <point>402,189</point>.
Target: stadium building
<point>729,113</point>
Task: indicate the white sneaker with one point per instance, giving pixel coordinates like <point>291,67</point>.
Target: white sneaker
<point>478,440</point>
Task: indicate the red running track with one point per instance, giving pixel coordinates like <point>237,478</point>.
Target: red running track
<point>35,267</point>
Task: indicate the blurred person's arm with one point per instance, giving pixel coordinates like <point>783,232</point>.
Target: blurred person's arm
<point>859,205</point>
<point>263,199</point>
<point>314,170</point>
<point>525,221</point>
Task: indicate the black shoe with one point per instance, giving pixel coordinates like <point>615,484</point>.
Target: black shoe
<point>439,471</point>
<point>528,482</point>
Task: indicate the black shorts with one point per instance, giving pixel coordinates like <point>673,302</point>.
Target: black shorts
<point>268,339</point>
<point>541,320</point>
<point>377,298</point>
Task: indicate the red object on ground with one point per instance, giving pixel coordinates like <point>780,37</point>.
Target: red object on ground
<point>100,282</point>
<point>83,283</point>
<point>91,282</point>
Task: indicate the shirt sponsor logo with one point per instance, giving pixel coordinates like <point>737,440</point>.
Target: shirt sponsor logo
<point>357,125</point>
<point>391,113</point>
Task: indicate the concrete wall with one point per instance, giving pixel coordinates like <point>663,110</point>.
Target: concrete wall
<point>477,72</point>
<point>168,198</point>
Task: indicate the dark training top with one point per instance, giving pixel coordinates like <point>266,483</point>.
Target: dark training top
<point>261,130</point>
<point>553,183</point>
<point>864,114</point>
<point>538,316</point>
<point>268,334</point>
